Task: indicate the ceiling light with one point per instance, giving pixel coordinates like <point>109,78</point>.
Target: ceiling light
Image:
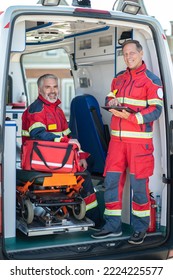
<point>50,2</point>
<point>82,3</point>
<point>130,7</point>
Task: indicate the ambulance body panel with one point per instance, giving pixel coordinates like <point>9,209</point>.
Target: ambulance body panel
<point>87,54</point>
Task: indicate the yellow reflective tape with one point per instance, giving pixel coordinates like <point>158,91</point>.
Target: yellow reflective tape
<point>91,205</point>
<point>36,125</point>
<point>131,101</point>
<point>67,131</point>
<point>139,118</point>
<point>52,126</point>
<point>25,133</point>
<point>62,133</point>
<point>143,103</point>
<point>131,134</point>
<point>141,214</point>
<point>57,139</point>
<point>155,102</point>
<point>112,212</point>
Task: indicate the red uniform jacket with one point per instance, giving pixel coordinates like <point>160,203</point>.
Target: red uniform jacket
<point>45,121</point>
<point>141,91</point>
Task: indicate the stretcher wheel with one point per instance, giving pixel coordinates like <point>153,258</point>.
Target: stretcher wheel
<point>79,210</point>
<point>28,214</point>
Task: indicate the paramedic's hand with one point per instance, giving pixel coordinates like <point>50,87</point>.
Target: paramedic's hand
<point>83,163</point>
<point>75,141</point>
<point>121,114</point>
<point>114,101</point>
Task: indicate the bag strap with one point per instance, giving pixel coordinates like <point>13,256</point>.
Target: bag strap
<point>65,159</point>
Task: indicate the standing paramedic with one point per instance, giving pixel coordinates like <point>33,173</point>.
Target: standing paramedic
<point>45,120</point>
<point>131,143</point>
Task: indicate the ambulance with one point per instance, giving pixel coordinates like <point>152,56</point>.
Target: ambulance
<point>83,47</point>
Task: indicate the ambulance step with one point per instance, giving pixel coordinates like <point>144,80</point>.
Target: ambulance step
<point>67,225</point>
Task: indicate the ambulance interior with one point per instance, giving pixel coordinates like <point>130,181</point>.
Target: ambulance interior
<point>93,50</point>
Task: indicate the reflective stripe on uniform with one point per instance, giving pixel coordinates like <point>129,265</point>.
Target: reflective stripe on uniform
<point>111,94</point>
<point>90,201</point>
<point>91,205</point>
<point>131,101</point>
<point>57,139</point>
<point>62,133</point>
<point>36,125</point>
<point>132,134</point>
<point>139,118</point>
<point>39,124</point>
<point>25,133</point>
<point>141,214</point>
<point>143,103</point>
<point>155,102</point>
<point>66,132</point>
<point>112,212</point>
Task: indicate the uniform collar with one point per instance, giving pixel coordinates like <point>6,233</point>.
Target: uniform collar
<point>49,103</point>
<point>137,71</point>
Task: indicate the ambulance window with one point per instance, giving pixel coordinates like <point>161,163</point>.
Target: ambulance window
<point>85,44</point>
<point>54,61</point>
<point>105,41</point>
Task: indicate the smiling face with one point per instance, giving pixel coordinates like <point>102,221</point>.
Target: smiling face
<point>49,90</point>
<point>132,56</point>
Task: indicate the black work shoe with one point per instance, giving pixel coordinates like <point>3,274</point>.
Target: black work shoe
<point>137,237</point>
<point>97,227</point>
<point>94,228</point>
<point>104,234</point>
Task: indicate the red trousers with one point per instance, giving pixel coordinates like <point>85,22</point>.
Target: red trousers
<point>138,158</point>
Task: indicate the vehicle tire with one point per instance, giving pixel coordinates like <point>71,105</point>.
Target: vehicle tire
<point>79,210</point>
<point>28,214</point>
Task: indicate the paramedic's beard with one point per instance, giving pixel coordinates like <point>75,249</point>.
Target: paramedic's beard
<point>52,97</point>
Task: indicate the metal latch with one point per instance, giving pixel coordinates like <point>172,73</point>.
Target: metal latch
<point>166,180</point>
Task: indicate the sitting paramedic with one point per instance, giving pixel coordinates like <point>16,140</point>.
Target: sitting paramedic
<point>131,144</point>
<point>45,120</point>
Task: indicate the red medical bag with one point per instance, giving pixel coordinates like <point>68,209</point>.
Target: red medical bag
<point>48,156</point>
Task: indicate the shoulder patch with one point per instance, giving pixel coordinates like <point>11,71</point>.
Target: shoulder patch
<point>36,106</point>
<point>160,93</point>
<point>154,78</point>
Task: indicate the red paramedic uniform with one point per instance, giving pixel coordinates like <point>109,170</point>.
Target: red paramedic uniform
<point>131,146</point>
<point>44,120</point>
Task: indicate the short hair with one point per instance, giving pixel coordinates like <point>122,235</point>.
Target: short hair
<point>44,77</point>
<point>138,45</point>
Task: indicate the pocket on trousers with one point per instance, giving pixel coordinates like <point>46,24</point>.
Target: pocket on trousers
<point>144,166</point>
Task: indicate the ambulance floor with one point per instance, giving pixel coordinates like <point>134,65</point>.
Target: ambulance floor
<point>73,241</point>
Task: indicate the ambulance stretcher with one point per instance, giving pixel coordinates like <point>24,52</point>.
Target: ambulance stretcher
<point>56,196</point>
